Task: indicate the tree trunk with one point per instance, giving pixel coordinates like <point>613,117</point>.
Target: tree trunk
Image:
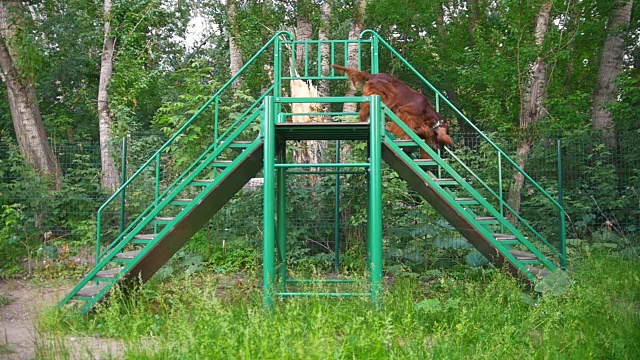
<point>109,171</point>
<point>23,103</point>
<point>531,109</point>
<point>235,54</point>
<point>356,28</point>
<point>325,51</point>
<point>610,68</point>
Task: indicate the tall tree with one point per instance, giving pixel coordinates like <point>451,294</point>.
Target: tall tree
<point>325,51</point>
<point>357,25</point>
<point>610,68</point>
<point>235,54</point>
<point>531,110</point>
<point>23,103</point>
<point>109,170</point>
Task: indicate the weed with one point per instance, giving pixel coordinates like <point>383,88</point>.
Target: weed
<point>4,300</point>
<point>471,314</point>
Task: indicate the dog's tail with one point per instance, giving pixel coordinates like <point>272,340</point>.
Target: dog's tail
<point>356,76</point>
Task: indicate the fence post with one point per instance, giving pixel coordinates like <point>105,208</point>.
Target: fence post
<point>123,179</point>
<point>563,235</point>
<point>336,239</point>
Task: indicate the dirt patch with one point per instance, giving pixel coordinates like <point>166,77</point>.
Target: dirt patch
<point>18,334</point>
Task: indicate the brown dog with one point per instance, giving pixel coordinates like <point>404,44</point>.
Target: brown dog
<point>410,106</point>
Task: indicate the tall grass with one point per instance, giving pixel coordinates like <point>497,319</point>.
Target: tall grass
<point>461,315</point>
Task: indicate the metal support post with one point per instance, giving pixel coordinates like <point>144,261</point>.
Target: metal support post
<point>281,174</point>
<point>563,234</point>
<point>123,179</point>
<point>336,236</point>
<point>375,197</point>
<point>269,203</point>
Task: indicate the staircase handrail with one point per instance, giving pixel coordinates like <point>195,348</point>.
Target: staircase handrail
<point>156,155</point>
<point>438,96</point>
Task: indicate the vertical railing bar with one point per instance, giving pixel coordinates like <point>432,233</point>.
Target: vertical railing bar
<point>346,55</point>
<point>216,129</point>
<point>437,103</point>
<point>500,189</point>
<point>336,236</point>
<point>375,65</point>
<point>269,208</point>
<point>319,59</point>
<point>333,58</point>
<point>563,245</point>
<point>123,179</point>
<point>306,58</point>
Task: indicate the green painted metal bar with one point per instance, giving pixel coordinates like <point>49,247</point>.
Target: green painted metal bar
<point>305,294</point>
<point>123,179</point>
<point>306,58</point>
<point>375,205</point>
<point>183,128</point>
<point>328,99</point>
<point>375,52</point>
<point>129,264</point>
<point>332,113</point>
<point>281,178</point>
<point>319,60</point>
<point>269,138</point>
<point>342,165</point>
<point>476,195</point>
<point>157,182</point>
<point>205,157</point>
<point>373,34</point>
<point>216,122</point>
<point>500,189</point>
<point>313,281</point>
<point>563,232</point>
<point>336,228</point>
<point>333,58</point>
<point>326,172</point>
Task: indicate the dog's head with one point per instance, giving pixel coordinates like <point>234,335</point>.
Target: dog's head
<point>441,133</point>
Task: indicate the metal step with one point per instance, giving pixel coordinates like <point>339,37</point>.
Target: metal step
<point>220,163</point>
<point>239,145</point>
<point>521,255</point>
<point>108,274</point>
<point>162,221</point>
<point>425,162</point>
<point>506,239</point>
<point>90,290</point>
<point>181,202</point>
<point>446,181</point>
<point>143,239</point>
<point>466,201</point>
<point>201,182</point>
<point>128,255</point>
<point>487,220</point>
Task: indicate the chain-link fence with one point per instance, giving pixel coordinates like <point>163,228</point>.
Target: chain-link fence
<point>600,193</point>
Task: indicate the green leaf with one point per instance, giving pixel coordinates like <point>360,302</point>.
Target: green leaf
<point>428,306</point>
<point>476,259</point>
<point>555,284</point>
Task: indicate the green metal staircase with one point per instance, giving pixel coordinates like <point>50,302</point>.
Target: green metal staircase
<point>180,208</point>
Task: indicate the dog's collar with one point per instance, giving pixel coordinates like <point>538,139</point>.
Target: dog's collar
<point>440,123</point>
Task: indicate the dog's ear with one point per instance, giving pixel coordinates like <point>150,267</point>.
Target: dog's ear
<point>443,137</point>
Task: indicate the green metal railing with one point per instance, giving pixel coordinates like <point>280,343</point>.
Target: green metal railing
<point>155,160</point>
<point>439,99</point>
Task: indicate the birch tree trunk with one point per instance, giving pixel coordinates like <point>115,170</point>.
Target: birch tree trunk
<point>109,171</point>
<point>325,51</point>
<point>610,68</point>
<point>356,28</point>
<point>531,109</point>
<point>235,54</point>
<point>23,103</point>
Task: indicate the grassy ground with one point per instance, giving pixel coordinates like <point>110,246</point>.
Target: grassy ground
<point>457,315</point>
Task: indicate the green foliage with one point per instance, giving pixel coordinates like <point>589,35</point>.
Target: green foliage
<point>451,316</point>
